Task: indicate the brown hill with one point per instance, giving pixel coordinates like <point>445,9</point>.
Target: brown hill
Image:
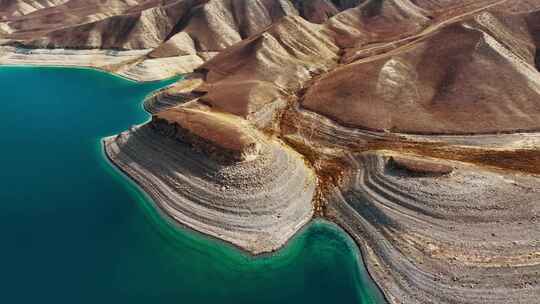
<point>439,84</point>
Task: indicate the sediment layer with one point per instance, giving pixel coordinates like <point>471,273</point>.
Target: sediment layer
<point>465,236</point>
<point>256,204</point>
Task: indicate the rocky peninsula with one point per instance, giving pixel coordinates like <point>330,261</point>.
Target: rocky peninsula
<point>413,124</point>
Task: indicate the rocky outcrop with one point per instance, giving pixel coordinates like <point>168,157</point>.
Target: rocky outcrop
<point>469,236</point>
<point>256,204</point>
<point>174,95</point>
<point>220,136</point>
<point>418,167</point>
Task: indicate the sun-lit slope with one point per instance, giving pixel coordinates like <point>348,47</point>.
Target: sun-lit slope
<point>255,77</point>
<point>119,24</point>
<point>440,84</point>
<point>173,36</point>
<point>257,74</point>
<point>376,22</point>
<point>17,8</point>
<point>26,20</point>
<point>143,29</point>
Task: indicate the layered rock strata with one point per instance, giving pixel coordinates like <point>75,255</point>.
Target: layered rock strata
<point>458,234</point>
<point>214,174</point>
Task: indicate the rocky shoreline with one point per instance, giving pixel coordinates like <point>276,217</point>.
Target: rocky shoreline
<point>469,236</point>
<point>238,203</point>
<point>131,64</point>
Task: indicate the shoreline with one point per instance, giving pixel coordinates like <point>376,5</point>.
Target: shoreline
<point>441,234</point>
<point>359,250</point>
<point>227,224</point>
<point>362,252</point>
<point>79,67</point>
<point>171,221</point>
<point>118,63</point>
<point>166,217</point>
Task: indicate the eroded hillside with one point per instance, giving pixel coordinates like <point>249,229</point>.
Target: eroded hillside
<point>141,39</point>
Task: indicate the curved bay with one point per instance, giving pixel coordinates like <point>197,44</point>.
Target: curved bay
<point>74,230</point>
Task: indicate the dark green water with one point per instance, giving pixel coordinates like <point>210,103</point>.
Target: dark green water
<point>73,230</point>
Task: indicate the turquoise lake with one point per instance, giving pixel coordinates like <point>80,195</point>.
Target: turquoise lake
<point>74,230</point>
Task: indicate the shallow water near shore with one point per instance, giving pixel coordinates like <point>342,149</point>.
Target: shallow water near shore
<point>75,230</point>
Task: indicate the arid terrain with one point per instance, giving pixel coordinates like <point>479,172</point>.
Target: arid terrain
<point>413,124</point>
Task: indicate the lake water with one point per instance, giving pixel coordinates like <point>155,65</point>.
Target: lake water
<point>74,230</point>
